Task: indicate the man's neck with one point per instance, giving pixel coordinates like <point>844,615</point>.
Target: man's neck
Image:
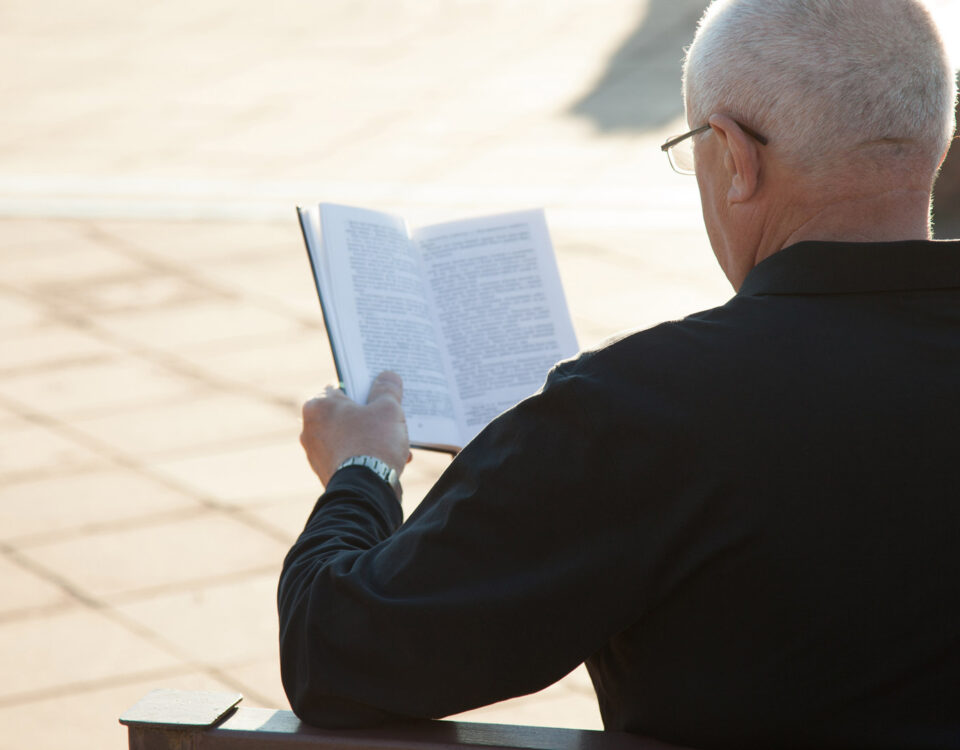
<point>889,216</point>
<point>890,206</point>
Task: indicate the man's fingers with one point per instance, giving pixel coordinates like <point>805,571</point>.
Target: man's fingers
<point>335,427</point>
<point>386,384</point>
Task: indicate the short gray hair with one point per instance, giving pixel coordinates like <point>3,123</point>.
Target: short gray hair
<point>821,77</point>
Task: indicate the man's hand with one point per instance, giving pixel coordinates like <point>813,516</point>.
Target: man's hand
<point>336,428</point>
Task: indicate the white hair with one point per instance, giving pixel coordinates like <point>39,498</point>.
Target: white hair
<point>820,78</point>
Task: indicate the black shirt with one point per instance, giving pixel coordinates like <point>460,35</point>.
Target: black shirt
<point>746,522</point>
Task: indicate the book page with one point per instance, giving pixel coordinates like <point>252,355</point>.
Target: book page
<point>500,305</point>
<point>383,318</point>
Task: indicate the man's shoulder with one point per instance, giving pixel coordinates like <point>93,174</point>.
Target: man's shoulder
<point>696,338</point>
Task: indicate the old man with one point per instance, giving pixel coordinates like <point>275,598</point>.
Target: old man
<point>746,522</point>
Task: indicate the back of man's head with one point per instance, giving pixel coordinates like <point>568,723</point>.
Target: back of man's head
<point>827,81</point>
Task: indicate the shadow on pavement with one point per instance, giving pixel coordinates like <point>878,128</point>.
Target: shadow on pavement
<point>641,86</point>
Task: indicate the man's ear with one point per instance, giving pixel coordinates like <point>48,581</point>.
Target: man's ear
<point>741,158</point>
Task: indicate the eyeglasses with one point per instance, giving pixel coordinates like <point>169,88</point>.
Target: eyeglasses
<point>680,148</point>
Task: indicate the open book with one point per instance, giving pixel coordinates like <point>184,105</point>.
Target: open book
<point>470,313</point>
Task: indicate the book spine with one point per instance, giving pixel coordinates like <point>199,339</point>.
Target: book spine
<point>302,218</point>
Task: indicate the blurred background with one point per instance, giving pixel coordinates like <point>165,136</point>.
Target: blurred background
<point>158,322</point>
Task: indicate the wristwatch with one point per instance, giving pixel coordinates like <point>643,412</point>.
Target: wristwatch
<point>380,468</point>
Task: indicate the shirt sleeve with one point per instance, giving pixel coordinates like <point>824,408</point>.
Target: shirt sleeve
<point>503,580</point>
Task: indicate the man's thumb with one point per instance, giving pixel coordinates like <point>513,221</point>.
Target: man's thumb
<point>386,385</point>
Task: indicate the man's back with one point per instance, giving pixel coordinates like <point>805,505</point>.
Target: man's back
<point>805,529</point>
<point>783,575</point>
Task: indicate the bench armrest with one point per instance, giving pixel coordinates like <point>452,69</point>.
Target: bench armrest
<point>189,720</point>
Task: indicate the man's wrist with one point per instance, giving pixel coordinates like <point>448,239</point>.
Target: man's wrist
<point>381,468</point>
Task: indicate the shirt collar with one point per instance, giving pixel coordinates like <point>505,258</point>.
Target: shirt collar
<point>856,267</point>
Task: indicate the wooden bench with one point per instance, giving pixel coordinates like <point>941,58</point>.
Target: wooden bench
<point>187,720</point>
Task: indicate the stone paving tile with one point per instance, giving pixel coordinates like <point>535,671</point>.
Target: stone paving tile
<point>81,501</point>
<point>282,276</point>
<point>159,556</point>
<point>259,681</point>
<point>564,704</point>
<point>147,289</point>
<point>24,236</point>
<point>9,419</point>
<point>52,654</point>
<point>22,590</point>
<point>53,266</point>
<point>197,324</point>
<point>293,387</point>
<point>185,426</point>
<point>201,245</point>
<point>51,344</point>
<point>578,681</point>
<point>246,475</point>
<point>653,291</point>
<point>220,624</point>
<point>420,475</point>
<point>16,313</point>
<point>31,450</point>
<point>86,719</point>
<point>285,517</point>
<point>76,389</point>
<point>295,367</point>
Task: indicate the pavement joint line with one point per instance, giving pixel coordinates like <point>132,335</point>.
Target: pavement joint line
<point>218,292</point>
<point>191,585</point>
<point>75,593</point>
<point>153,261</point>
<point>21,557</point>
<point>72,414</point>
<point>70,689</point>
<point>102,528</point>
<point>222,446</point>
<point>15,371</point>
<point>107,609</point>
<point>168,360</point>
<point>10,479</point>
<point>106,451</point>
<point>265,527</point>
<point>37,612</point>
<point>67,430</point>
<point>254,695</point>
<point>203,279</point>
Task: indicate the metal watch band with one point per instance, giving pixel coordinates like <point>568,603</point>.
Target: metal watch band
<point>380,468</point>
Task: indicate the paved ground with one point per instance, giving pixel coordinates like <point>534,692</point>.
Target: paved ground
<point>158,323</point>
